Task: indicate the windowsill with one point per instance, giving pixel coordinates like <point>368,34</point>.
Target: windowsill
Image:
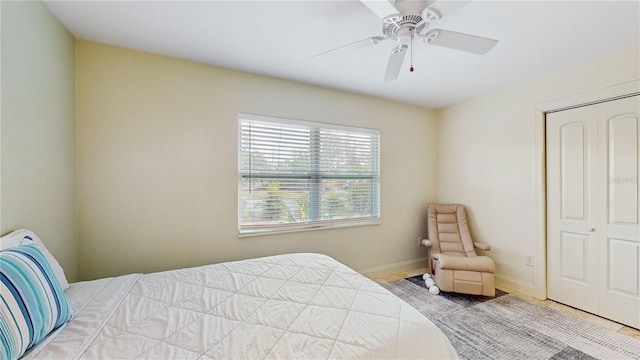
<point>310,227</point>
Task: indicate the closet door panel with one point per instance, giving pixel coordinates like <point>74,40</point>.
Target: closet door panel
<point>619,221</point>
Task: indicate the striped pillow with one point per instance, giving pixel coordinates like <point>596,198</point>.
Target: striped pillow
<point>23,237</point>
<point>32,303</point>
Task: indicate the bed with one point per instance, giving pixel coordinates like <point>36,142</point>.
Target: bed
<point>305,306</point>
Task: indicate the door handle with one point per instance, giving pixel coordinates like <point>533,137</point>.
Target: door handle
<point>591,229</point>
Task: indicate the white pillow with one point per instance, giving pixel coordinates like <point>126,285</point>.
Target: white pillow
<point>23,237</point>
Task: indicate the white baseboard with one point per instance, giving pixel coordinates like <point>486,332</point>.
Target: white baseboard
<point>503,282</point>
<point>390,269</point>
<point>512,285</point>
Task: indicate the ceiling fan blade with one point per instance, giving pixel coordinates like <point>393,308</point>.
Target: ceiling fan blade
<point>355,45</point>
<point>395,62</point>
<point>460,41</point>
<point>444,8</point>
<point>382,8</point>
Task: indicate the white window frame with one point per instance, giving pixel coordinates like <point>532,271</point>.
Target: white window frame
<point>311,225</point>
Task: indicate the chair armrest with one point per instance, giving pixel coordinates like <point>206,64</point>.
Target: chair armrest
<point>426,243</point>
<point>482,246</point>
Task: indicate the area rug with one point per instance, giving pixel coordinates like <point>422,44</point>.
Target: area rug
<point>512,327</point>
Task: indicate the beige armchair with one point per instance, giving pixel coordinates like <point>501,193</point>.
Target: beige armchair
<point>454,263</point>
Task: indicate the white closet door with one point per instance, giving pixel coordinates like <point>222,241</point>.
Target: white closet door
<point>572,245</point>
<point>593,217</point>
<point>619,218</point>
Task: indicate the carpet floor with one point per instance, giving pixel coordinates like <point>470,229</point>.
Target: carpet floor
<point>511,327</point>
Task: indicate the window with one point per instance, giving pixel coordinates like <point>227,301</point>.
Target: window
<point>297,174</point>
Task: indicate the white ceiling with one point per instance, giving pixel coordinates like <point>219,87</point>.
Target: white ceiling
<point>279,38</point>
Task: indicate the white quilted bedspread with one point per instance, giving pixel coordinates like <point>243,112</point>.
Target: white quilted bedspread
<point>303,306</point>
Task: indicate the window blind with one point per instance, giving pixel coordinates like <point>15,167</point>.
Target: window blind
<point>296,174</point>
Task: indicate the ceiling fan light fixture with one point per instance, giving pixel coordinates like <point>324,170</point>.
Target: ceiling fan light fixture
<point>405,34</point>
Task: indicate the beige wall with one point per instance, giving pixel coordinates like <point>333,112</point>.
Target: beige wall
<point>38,119</point>
<point>157,165</point>
<point>487,155</point>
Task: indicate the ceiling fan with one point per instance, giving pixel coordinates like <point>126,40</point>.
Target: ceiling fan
<point>404,20</point>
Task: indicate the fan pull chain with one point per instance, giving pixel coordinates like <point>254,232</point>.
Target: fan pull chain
<point>411,50</point>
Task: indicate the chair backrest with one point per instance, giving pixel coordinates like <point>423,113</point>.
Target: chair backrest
<point>449,231</point>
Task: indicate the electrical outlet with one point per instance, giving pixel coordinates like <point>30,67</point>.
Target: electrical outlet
<point>528,259</point>
<point>419,240</point>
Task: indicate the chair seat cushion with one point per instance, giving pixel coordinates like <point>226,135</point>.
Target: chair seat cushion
<point>472,263</point>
